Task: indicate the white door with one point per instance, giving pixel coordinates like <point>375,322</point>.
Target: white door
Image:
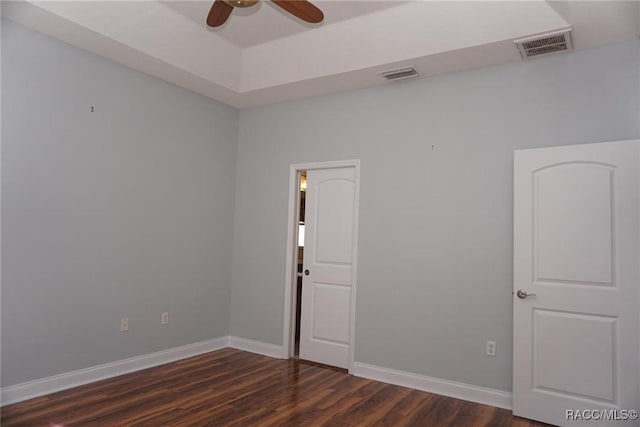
<point>577,248</point>
<point>327,285</point>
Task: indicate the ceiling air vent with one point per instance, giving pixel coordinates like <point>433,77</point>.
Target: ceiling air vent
<point>400,74</point>
<point>545,44</point>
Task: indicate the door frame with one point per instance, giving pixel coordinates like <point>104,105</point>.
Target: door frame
<point>288,328</point>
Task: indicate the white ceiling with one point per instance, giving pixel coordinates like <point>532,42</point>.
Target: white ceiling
<point>264,55</point>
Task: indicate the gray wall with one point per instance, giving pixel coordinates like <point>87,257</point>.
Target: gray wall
<point>127,211</point>
<point>435,246</point>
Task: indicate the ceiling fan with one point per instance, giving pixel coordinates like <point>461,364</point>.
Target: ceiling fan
<point>303,9</point>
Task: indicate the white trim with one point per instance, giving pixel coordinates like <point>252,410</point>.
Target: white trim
<point>472,393</point>
<point>290,271</point>
<point>0,176</point>
<point>257,347</point>
<point>31,389</point>
<point>354,266</point>
<point>326,165</point>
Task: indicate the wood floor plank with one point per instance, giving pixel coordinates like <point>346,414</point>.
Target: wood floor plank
<point>235,388</point>
<point>374,404</point>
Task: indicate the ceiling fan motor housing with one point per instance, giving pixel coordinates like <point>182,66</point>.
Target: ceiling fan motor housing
<point>241,3</point>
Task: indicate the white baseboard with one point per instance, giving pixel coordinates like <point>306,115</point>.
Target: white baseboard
<point>31,389</point>
<point>257,347</point>
<point>19,392</point>
<point>472,393</point>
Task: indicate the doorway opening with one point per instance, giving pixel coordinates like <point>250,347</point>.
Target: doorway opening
<point>302,192</point>
<point>321,260</point>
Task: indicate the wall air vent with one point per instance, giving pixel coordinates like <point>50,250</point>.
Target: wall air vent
<point>545,44</point>
<point>400,74</point>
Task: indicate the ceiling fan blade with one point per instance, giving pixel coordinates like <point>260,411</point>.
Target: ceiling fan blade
<point>302,9</point>
<point>219,13</point>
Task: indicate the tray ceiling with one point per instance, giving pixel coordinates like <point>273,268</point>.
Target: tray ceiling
<point>264,55</point>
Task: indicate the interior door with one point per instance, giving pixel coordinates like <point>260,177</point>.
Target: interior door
<point>577,279</point>
<point>327,287</point>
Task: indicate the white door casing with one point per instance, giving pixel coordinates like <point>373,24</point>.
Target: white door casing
<point>577,248</point>
<point>327,290</point>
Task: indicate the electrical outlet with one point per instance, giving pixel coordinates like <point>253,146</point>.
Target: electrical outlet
<point>491,348</point>
<point>124,324</point>
<point>165,318</point>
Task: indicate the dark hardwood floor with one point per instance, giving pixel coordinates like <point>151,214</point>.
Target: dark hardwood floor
<point>232,387</point>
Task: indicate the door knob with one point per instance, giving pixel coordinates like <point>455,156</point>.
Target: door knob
<point>522,294</point>
<point>306,272</point>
